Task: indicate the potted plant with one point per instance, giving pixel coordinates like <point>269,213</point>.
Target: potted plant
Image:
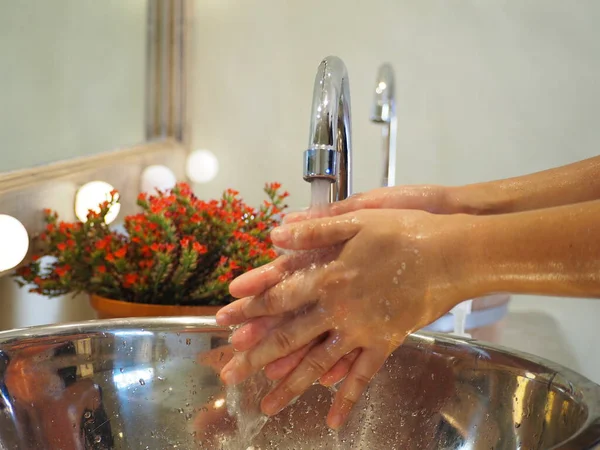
<point>176,256</point>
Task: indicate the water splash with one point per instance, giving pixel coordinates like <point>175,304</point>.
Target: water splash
<point>243,400</point>
<point>243,403</point>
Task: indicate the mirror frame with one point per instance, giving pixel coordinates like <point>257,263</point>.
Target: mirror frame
<point>25,193</point>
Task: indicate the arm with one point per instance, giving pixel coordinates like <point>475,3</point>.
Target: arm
<point>379,275</point>
<point>573,183</point>
<point>554,251</point>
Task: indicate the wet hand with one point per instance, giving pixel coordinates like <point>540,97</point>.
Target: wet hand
<point>358,284</point>
<point>430,198</point>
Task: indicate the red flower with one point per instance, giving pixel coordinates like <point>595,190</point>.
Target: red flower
<point>146,261</point>
<point>199,248</point>
<point>101,245</point>
<point>146,264</point>
<point>130,279</point>
<point>61,271</point>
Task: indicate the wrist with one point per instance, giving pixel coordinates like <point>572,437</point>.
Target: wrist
<point>465,275</point>
<point>479,199</point>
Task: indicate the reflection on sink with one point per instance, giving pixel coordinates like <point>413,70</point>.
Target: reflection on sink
<point>126,384</point>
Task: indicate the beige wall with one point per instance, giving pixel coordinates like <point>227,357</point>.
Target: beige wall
<point>485,90</point>
<point>72,79</point>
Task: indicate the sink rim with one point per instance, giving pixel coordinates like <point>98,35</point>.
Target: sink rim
<point>562,378</point>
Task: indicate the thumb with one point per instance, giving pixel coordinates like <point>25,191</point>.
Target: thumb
<point>316,233</point>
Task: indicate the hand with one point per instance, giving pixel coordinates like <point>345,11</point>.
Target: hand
<point>430,198</point>
<point>372,278</point>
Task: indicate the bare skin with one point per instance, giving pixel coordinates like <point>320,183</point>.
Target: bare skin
<point>573,183</point>
<point>385,273</point>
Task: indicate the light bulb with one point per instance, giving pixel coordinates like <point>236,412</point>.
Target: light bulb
<point>202,166</point>
<point>90,195</point>
<point>157,177</point>
<point>14,242</point>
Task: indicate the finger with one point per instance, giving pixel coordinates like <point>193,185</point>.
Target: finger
<point>364,368</point>
<point>258,280</point>
<point>280,368</point>
<point>316,233</point>
<point>291,294</point>
<point>216,358</point>
<point>340,370</point>
<point>377,198</point>
<point>310,213</point>
<point>280,342</point>
<point>252,332</point>
<point>315,364</point>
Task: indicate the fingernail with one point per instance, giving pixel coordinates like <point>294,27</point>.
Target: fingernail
<point>336,421</point>
<point>229,373</point>
<point>226,375</point>
<point>280,234</point>
<point>223,317</point>
<point>271,406</point>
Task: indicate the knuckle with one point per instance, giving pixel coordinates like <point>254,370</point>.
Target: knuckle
<point>269,301</point>
<point>360,383</point>
<point>244,312</point>
<point>289,390</point>
<point>316,365</point>
<point>283,340</point>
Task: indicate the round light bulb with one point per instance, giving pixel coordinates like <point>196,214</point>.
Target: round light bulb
<point>14,242</point>
<point>90,195</point>
<point>157,177</point>
<point>202,166</point>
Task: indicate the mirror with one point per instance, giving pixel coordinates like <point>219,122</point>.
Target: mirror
<point>72,82</point>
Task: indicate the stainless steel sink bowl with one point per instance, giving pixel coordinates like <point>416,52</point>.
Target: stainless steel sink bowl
<point>153,384</point>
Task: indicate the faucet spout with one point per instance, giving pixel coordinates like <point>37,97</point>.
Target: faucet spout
<point>329,154</point>
<point>384,112</point>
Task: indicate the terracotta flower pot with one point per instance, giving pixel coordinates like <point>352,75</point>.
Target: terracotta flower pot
<point>112,309</point>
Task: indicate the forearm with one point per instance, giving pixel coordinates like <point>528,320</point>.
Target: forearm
<point>554,251</point>
<point>573,183</point>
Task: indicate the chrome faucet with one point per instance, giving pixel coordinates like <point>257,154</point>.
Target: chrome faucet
<point>329,154</point>
<point>384,112</point>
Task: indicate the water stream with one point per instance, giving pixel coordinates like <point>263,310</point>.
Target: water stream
<point>243,400</point>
